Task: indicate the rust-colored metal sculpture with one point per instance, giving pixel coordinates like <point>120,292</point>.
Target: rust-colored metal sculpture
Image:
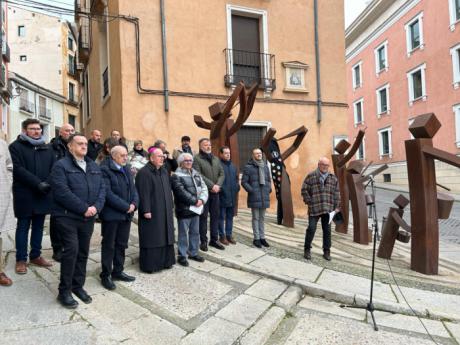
<point>425,207</point>
<point>391,231</point>
<point>359,199</point>
<point>339,162</point>
<point>222,128</point>
<point>269,145</point>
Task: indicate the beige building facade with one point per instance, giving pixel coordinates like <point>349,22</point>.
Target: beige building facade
<point>149,85</point>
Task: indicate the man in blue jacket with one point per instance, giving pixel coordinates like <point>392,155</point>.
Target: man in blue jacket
<point>79,194</point>
<point>121,202</point>
<point>228,195</point>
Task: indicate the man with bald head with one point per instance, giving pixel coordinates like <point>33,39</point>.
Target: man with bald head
<point>94,144</point>
<point>61,150</point>
<point>320,191</point>
<point>121,202</point>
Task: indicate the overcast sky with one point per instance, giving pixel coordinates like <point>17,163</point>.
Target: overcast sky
<point>353,8</point>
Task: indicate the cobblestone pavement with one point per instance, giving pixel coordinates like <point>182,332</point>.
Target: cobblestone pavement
<point>239,296</point>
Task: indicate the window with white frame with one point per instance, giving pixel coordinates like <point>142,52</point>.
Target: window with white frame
<point>360,154</point>
<point>414,34</point>
<point>416,83</point>
<point>454,9</point>
<point>456,109</point>
<point>357,75</point>
<point>385,142</point>
<point>21,31</point>
<point>383,99</point>
<point>455,53</point>
<point>336,140</point>
<point>381,57</point>
<point>358,111</point>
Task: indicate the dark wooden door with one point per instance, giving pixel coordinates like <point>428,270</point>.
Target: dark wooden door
<point>246,49</point>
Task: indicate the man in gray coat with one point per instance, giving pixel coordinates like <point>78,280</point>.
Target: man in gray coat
<point>209,167</point>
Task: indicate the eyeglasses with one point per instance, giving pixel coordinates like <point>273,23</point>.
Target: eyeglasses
<point>34,129</point>
<point>187,161</point>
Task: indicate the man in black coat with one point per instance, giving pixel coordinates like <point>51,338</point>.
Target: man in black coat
<point>59,145</point>
<point>94,144</point>
<point>32,163</point>
<point>120,204</point>
<point>78,195</point>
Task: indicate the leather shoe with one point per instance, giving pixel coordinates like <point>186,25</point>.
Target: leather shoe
<point>83,296</point>
<point>216,245</point>
<point>327,255</point>
<point>182,260</point>
<point>67,300</point>
<point>264,242</point>
<point>41,262</point>
<point>224,240</point>
<point>204,247</point>
<point>196,258</point>
<point>231,240</point>
<point>123,277</point>
<point>57,256</point>
<point>307,254</point>
<point>257,243</point>
<point>21,267</point>
<point>4,280</point>
<point>107,282</point>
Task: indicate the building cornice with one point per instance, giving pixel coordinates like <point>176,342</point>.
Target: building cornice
<point>17,78</point>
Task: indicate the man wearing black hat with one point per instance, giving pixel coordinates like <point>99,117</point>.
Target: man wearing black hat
<point>185,147</point>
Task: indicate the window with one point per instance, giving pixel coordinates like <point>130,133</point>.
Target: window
<point>358,112</point>
<point>41,106</point>
<point>454,9</point>
<point>387,178</point>
<point>72,120</point>
<point>455,53</point>
<point>22,57</point>
<point>360,153</point>
<point>385,142</point>
<point>456,109</point>
<point>416,82</point>
<point>69,42</point>
<point>21,31</point>
<point>71,92</point>
<point>414,34</point>
<point>383,100</point>
<point>71,64</point>
<point>357,75</point>
<point>249,137</point>
<point>381,57</point>
<point>337,139</point>
<point>24,103</point>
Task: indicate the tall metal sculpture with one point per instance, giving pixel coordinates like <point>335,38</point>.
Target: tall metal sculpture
<point>420,155</point>
<point>222,128</point>
<point>269,145</point>
<point>339,162</point>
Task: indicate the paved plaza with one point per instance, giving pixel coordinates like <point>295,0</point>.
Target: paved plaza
<point>242,295</point>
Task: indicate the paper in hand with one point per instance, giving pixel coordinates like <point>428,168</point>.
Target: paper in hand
<point>196,209</point>
<point>331,216</point>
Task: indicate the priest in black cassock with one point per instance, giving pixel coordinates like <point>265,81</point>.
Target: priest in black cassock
<point>156,228</point>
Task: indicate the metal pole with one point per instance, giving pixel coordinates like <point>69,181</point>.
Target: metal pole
<point>164,55</point>
<point>317,59</point>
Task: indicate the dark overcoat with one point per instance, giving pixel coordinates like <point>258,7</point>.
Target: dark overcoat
<point>258,195</point>
<point>120,192</point>
<point>231,185</point>
<point>155,197</point>
<point>31,165</point>
<point>60,148</point>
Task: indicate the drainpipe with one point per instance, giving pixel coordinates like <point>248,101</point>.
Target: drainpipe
<point>163,49</point>
<point>318,69</point>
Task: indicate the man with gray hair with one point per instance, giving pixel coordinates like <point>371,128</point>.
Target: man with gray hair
<point>190,194</point>
<point>320,191</point>
<point>169,163</point>
<point>120,203</point>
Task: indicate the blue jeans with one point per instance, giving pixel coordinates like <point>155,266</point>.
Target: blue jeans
<point>226,215</point>
<point>188,238</point>
<point>22,235</point>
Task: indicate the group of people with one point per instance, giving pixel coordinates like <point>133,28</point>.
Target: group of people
<point>79,181</point>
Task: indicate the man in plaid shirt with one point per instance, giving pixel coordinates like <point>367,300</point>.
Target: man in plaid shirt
<point>320,191</point>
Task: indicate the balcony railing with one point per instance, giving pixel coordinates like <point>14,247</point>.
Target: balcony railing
<point>71,68</point>
<point>26,106</point>
<point>250,67</point>
<point>84,41</point>
<point>2,76</point>
<point>105,82</point>
<point>45,113</point>
<point>5,51</point>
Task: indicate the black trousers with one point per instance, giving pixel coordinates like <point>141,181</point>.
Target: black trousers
<point>55,236</point>
<point>115,237</point>
<point>279,211</point>
<point>75,236</point>
<point>212,207</point>
<point>312,222</point>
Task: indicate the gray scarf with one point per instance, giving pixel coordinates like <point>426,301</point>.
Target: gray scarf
<point>32,141</point>
<point>323,177</point>
<point>261,166</point>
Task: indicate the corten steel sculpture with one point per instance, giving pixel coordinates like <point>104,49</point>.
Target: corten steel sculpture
<point>222,128</point>
<point>339,162</point>
<point>420,155</point>
<point>269,145</point>
<point>391,231</point>
<point>359,200</point>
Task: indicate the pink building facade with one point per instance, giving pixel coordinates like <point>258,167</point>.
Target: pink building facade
<point>403,60</point>
<point>5,90</point>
